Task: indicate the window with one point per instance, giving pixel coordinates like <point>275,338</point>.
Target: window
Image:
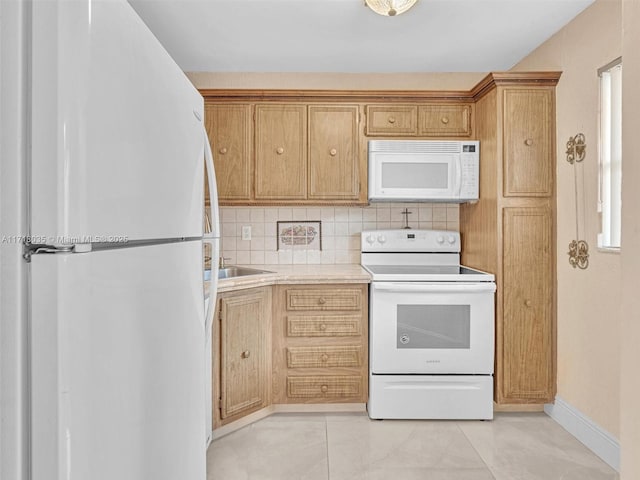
<point>610,191</point>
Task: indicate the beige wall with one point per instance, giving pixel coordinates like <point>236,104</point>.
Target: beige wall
<point>337,81</point>
<point>630,325</point>
<point>588,300</point>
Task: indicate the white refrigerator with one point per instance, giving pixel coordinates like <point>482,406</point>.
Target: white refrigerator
<point>115,315</point>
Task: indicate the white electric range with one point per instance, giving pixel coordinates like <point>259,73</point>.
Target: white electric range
<point>431,328</point>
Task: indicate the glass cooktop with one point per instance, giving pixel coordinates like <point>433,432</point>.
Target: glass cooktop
<point>414,273</point>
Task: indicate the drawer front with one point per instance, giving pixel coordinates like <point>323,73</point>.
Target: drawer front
<point>328,299</point>
<point>385,120</point>
<point>342,386</point>
<point>327,356</point>
<point>324,326</point>
<point>445,120</point>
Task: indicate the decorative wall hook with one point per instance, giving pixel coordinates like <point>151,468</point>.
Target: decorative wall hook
<point>579,254</point>
<point>576,148</point>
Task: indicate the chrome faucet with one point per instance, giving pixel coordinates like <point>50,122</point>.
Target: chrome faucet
<point>221,261</point>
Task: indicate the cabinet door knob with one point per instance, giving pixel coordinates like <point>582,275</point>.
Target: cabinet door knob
<point>223,150</point>
<point>279,150</point>
<point>322,301</point>
<point>392,119</point>
<point>528,142</point>
<point>333,152</point>
<point>324,388</point>
<point>527,303</point>
<point>323,327</point>
<point>324,357</point>
<point>246,354</point>
<point>444,120</point>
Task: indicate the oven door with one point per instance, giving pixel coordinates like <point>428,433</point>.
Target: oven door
<point>432,328</point>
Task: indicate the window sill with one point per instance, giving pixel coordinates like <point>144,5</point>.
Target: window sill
<point>614,250</point>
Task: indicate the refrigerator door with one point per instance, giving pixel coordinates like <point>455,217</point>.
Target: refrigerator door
<point>116,126</point>
<point>118,364</point>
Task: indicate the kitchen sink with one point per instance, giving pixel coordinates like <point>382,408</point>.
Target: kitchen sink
<point>231,272</point>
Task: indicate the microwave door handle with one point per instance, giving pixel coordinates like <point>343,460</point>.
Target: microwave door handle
<point>483,287</point>
<point>458,175</point>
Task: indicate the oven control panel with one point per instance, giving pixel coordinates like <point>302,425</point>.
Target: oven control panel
<point>408,240</point>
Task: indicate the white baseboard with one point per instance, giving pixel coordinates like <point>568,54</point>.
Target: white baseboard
<point>596,439</point>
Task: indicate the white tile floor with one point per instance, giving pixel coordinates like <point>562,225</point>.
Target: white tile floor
<point>352,447</point>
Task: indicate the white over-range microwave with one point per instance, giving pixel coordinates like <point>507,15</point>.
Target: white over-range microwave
<point>424,171</point>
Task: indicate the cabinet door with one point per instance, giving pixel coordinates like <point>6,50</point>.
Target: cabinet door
<point>333,152</point>
<point>528,119</point>
<point>229,130</point>
<point>437,120</point>
<point>281,155</point>
<point>527,320</point>
<point>244,323</point>
<point>392,120</point>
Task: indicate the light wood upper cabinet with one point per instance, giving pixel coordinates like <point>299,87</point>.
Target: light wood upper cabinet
<point>527,305</point>
<point>333,152</point>
<point>528,142</point>
<point>442,120</point>
<point>229,130</point>
<point>392,120</point>
<point>281,152</point>
<point>244,330</point>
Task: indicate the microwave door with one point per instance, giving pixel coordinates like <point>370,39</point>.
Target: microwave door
<point>416,176</point>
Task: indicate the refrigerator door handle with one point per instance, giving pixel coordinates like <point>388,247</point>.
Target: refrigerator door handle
<point>213,189</point>
<point>213,285</point>
<point>211,238</point>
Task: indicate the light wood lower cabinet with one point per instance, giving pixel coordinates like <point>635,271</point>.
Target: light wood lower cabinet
<point>527,361</point>
<point>320,345</point>
<point>289,344</point>
<point>242,357</point>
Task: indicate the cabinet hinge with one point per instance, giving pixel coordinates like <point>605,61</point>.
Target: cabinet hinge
<point>220,403</point>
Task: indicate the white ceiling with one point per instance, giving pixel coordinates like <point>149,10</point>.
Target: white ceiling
<point>345,36</point>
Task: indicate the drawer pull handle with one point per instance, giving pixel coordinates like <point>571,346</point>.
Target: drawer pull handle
<point>223,150</point>
<point>324,388</point>
<point>392,119</point>
<point>324,357</point>
<point>333,152</point>
<point>279,150</point>
<point>322,301</point>
<point>246,354</point>
<point>444,120</point>
<point>323,326</point>
<point>527,303</point>
<point>528,142</point>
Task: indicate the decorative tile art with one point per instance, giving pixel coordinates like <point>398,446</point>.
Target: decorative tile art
<point>305,235</point>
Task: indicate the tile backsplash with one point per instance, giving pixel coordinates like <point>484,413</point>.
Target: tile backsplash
<point>341,227</point>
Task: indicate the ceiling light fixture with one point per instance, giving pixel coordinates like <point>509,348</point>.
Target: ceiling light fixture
<point>390,8</point>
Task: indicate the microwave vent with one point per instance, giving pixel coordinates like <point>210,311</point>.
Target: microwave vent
<point>415,146</point>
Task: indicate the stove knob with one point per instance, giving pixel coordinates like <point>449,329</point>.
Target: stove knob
<point>370,239</point>
<point>440,239</point>
<point>451,239</point>
<point>382,238</point>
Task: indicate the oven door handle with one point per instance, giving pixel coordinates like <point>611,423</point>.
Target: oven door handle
<point>485,287</point>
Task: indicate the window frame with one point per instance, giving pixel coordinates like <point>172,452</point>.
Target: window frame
<point>609,159</point>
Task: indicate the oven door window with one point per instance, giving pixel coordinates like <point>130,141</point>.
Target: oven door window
<point>433,326</point>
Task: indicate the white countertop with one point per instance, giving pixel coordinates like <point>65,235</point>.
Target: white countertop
<point>317,274</point>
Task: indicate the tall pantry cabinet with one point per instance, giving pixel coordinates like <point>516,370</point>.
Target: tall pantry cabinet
<point>510,231</point>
